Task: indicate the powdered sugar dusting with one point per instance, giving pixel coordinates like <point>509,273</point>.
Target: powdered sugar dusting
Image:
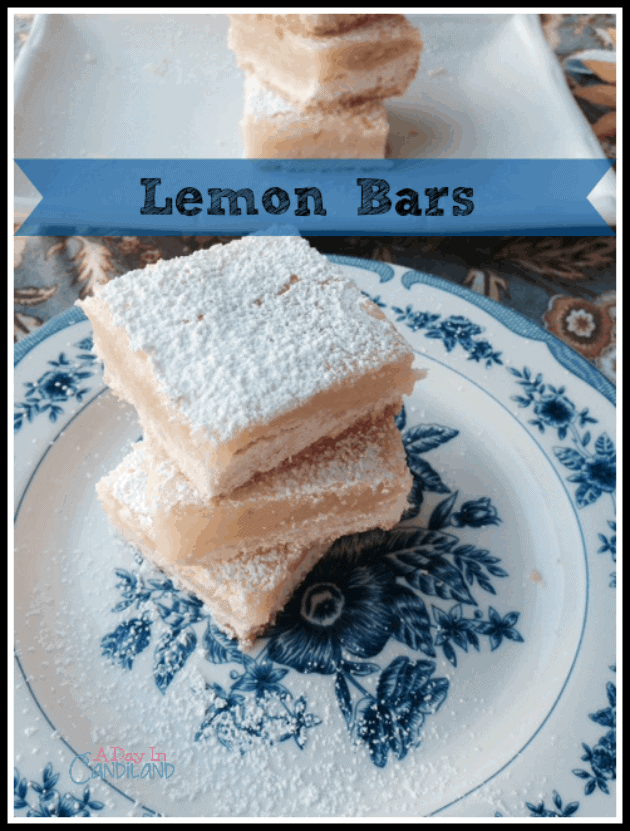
<point>257,351</point>
<point>239,580</point>
<point>330,777</point>
<point>262,102</point>
<point>127,484</point>
<point>370,454</point>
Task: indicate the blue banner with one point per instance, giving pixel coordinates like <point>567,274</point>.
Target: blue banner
<point>164,197</point>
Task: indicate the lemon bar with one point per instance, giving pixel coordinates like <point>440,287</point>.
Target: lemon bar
<point>243,594</point>
<point>273,128</point>
<point>277,527</point>
<point>336,486</point>
<point>325,24</point>
<point>242,355</point>
<point>375,61</point>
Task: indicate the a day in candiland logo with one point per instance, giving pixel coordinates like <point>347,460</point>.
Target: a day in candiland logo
<point>119,764</point>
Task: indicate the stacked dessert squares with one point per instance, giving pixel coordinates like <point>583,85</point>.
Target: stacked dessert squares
<point>316,83</point>
<point>266,384</point>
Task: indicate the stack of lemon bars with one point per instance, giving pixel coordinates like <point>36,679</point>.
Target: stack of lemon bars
<point>316,83</point>
<point>266,386</point>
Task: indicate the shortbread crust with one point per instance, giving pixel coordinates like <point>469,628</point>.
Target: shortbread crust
<point>334,487</point>
<point>273,128</point>
<point>325,24</point>
<point>245,593</point>
<point>375,61</point>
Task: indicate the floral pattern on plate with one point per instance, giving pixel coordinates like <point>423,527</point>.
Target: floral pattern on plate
<point>369,589</point>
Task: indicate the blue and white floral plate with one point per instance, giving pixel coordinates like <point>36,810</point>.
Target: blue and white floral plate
<point>461,665</point>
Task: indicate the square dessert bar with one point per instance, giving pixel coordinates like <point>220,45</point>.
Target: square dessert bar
<point>356,483</point>
<point>337,486</point>
<point>374,61</point>
<point>274,129</point>
<point>243,594</point>
<point>240,356</point>
<point>325,24</point>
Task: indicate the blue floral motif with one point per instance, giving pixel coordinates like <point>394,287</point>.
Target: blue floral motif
<point>561,810</point>
<point>63,383</point>
<point>343,606</point>
<point>262,679</point>
<point>555,410</point>
<point>417,441</point>
<point>497,628</point>
<point>541,811</point>
<point>456,329</point>
<point>453,629</point>
<point>609,544</point>
<point>269,714</point>
<point>377,300</point>
<point>127,641</point>
<point>551,406</point>
<point>596,473</point>
<point>257,707</point>
<point>595,470</point>
<point>159,600</point>
<point>355,600</point>
<point>300,722</point>
<point>602,758</point>
<point>50,803</point>
<point>415,320</point>
<point>368,590</point>
<point>476,514</point>
<point>390,720</point>
<point>482,350</point>
<point>453,331</point>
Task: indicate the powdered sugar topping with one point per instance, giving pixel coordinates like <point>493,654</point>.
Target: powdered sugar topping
<point>260,100</point>
<point>242,333</point>
<point>250,572</point>
<point>370,454</point>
